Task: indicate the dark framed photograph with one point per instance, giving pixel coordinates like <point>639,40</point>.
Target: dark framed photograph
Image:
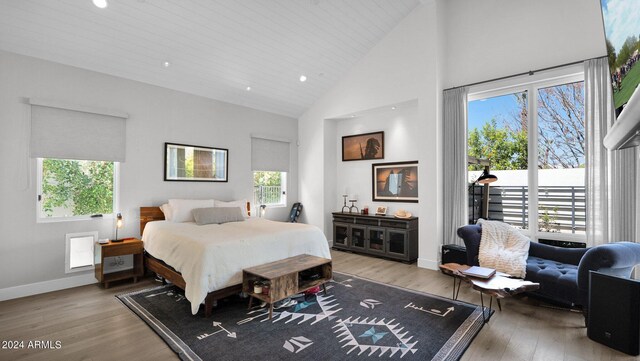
<point>193,163</point>
<point>363,146</point>
<point>395,182</point>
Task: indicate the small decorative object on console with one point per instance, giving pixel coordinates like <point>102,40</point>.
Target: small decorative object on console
<point>401,213</point>
<point>381,211</point>
<point>345,207</point>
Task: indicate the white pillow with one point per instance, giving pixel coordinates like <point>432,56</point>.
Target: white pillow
<point>242,203</point>
<point>181,209</point>
<point>166,209</point>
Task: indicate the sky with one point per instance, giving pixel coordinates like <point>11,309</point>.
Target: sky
<point>481,111</point>
<point>621,19</point>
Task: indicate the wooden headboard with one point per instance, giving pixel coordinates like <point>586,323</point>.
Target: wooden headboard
<point>150,214</point>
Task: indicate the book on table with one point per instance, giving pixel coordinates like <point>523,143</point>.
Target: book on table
<point>479,272</point>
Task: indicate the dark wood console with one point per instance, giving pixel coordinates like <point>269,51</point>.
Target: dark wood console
<point>383,236</point>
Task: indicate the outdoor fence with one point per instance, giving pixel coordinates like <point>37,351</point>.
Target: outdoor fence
<point>266,194</point>
<point>561,208</point>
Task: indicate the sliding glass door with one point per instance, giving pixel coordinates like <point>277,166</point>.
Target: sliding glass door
<point>541,179</point>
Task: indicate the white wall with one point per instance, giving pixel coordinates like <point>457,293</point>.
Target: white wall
<point>488,39</point>
<point>402,67</point>
<point>400,144</point>
<point>443,43</point>
<point>31,252</point>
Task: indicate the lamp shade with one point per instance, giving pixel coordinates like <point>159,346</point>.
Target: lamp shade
<point>486,178</point>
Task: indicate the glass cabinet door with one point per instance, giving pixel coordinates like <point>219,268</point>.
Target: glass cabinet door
<point>376,240</point>
<point>397,243</point>
<point>357,237</point>
<point>340,235</point>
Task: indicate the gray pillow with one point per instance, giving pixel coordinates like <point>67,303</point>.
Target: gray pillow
<point>217,215</point>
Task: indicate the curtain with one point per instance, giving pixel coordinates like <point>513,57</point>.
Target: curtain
<point>610,175</point>
<point>454,163</point>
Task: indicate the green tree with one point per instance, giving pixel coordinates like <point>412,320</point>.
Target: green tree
<point>266,178</point>
<point>627,49</point>
<point>83,187</point>
<point>505,148</point>
<point>611,53</point>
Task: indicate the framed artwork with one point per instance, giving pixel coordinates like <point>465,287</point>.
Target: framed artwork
<point>381,210</point>
<point>363,146</point>
<point>395,182</point>
<point>193,163</point>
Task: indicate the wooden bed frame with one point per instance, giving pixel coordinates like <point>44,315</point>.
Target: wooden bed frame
<point>150,214</point>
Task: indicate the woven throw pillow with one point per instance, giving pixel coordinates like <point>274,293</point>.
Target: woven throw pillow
<point>217,215</point>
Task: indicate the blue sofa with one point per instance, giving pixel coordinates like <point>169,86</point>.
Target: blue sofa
<point>563,273</point>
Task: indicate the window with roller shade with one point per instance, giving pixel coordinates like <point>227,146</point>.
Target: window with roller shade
<point>270,163</point>
<point>78,151</point>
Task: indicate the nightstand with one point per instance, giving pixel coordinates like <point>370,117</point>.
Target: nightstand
<point>129,246</point>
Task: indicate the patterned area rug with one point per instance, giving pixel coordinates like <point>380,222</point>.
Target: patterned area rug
<point>357,319</point>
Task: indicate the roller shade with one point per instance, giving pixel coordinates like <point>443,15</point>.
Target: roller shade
<point>269,155</point>
<point>63,132</point>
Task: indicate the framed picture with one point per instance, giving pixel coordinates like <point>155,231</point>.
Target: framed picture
<point>363,146</point>
<point>381,211</point>
<point>193,163</point>
<point>395,182</point>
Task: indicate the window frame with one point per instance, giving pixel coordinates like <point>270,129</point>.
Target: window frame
<point>283,188</point>
<point>39,214</point>
<point>531,85</point>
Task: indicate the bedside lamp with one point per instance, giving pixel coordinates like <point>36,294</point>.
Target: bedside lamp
<point>119,224</point>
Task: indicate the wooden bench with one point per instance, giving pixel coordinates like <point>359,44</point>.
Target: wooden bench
<point>283,278</point>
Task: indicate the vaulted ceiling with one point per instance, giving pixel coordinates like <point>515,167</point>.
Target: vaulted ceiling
<point>214,48</point>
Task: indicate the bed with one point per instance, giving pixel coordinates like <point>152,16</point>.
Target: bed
<point>207,261</point>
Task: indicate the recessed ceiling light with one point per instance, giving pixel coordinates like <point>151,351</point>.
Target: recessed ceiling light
<point>303,78</point>
<point>166,64</point>
<point>393,108</point>
<point>248,88</point>
<point>353,115</point>
<point>100,3</point>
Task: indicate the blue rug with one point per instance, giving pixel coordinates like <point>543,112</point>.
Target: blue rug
<point>357,320</point>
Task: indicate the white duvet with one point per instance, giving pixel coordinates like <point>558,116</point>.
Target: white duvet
<point>212,257</point>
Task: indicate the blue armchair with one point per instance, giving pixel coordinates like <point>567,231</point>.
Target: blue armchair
<point>563,273</point>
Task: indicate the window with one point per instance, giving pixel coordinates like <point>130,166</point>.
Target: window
<point>79,251</point>
<point>541,178</point>
<point>497,131</point>
<point>270,188</point>
<point>75,189</point>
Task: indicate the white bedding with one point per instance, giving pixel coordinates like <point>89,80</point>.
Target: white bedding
<point>211,257</point>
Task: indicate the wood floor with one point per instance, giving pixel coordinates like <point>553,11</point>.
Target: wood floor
<point>93,325</point>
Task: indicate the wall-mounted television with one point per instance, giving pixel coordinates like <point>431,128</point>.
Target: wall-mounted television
<point>621,20</point>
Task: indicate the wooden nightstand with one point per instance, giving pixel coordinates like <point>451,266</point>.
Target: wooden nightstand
<point>130,246</point>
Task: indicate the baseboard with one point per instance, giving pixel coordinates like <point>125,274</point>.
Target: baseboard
<point>427,263</point>
<point>10,293</point>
